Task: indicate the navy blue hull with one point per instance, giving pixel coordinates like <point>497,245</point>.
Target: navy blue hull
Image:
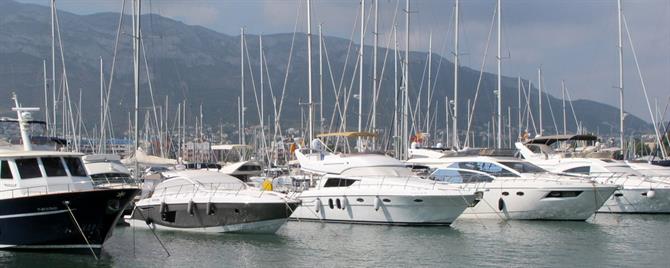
<point>44,222</point>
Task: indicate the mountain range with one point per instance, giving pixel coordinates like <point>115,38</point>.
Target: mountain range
<point>202,66</point>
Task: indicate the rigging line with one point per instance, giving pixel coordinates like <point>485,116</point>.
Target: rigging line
<point>111,74</point>
<point>444,47</point>
<point>288,65</point>
<point>336,90</point>
<point>67,205</point>
<point>528,110</point>
<point>481,74</point>
<point>365,30</point>
<point>253,85</point>
<point>574,114</point>
<point>151,93</point>
<point>644,87</point>
<point>415,112</point>
<point>551,110</point>
<point>66,83</point>
<point>377,90</point>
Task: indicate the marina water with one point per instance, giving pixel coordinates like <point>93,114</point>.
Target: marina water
<point>618,240</point>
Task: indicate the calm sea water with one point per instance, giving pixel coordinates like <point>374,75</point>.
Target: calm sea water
<point>607,240</point>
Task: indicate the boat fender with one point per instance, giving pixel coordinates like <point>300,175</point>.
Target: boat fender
<point>345,203</point>
<point>211,209</point>
<point>190,207</point>
<point>317,205</point>
<point>377,203</point>
<point>149,221</point>
<point>501,204</point>
<point>651,193</point>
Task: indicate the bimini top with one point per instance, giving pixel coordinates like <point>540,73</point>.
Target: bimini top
<point>551,139</point>
<point>350,134</point>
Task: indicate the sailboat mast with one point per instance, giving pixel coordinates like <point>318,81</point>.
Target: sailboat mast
<point>396,128</point>
<point>499,59</point>
<point>46,94</point>
<point>620,48</point>
<point>321,118</point>
<point>539,98</point>
<point>136,74</point>
<point>429,97</point>
<point>406,88</point>
<point>454,135</point>
<point>53,65</point>
<point>309,70</point>
<point>565,123</point>
<point>102,109</point>
<point>360,73</point>
<point>242,138</point>
<point>375,90</point>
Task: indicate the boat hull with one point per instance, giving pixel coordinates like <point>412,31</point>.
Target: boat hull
<point>638,200</point>
<point>388,210</point>
<point>44,222</point>
<point>523,203</point>
<point>221,217</point>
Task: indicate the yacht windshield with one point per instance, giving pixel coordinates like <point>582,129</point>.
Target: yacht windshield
<point>523,167</point>
<point>486,167</point>
<point>379,171</point>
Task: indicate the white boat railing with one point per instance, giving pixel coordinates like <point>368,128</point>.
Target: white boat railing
<point>62,188</point>
<point>211,189</point>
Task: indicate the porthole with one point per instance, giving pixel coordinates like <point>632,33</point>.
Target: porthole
<point>505,193</point>
<point>386,200</point>
<point>360,200</point>
<point>519,193</point>
<point>618,194</point>
<point>418,200</point>
<point>644,194</point>
<point>330,203</point>
<point>337,202</point>
<point>237,210</point>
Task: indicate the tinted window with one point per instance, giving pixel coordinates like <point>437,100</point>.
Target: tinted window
<point>5,172</point>
<point>53,167</point>
<point>579,170</point>
<point>75,166</point>
<point>523,167</point>
<point>337,182</point>
<point>486,167</point>
<point>28,168</point>
<point>459,176</point>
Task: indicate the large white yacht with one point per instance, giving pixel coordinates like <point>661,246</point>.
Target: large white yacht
<point>209,201</point>
<point>48,201</point>
<point>515,189</point>
<point>374,189</point>
<point>637,194</point>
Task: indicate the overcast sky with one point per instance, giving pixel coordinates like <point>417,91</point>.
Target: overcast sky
<point>573,40</point>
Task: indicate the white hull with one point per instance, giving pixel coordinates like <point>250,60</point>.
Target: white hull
<point>260,227</point>
<point>638,200</point>
<point>524,203</point>
<point>396,210</point>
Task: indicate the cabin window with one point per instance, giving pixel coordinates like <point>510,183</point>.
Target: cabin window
<point>338,182</point>
<point>523,167</point>
<point>28,168</point>
<point>486,167</point>
<point>579,170</point>
<point>5,172</point>
<point>75,166</point>
<point>53,166</point>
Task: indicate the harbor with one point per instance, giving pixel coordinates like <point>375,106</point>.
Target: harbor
<point>374,134</point>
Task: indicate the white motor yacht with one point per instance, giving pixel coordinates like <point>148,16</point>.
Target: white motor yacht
<point>374,189</point>
<point>209,201</point>
<point>517,190</point>
<point>637,193</point>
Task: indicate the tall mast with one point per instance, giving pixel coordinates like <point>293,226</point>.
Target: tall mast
<point>406,80</point>
<point>242,138</point>
<point>309,70</point>
<point>102,108</point>
<point>428,98</point>
<point>454,135</point>
<point>518,85</point>
<point>620,48</point>
<point>53,64</point>
<point>539,97</point>
<point>565,124</point>
<point>46,95</point>
<point>499,59</point>
<point>375,90</point>
<point>360,73</point>
<point>262,81</point>
<point>396,128</point>
<point>321,119</point>
<point>136,74</point>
